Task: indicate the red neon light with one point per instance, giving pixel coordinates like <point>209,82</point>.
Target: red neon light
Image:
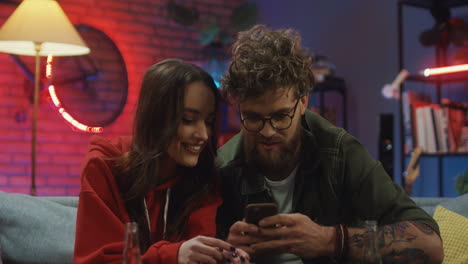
<point>53,95</point>
<point>61,110</point>
<point>68,117</point>
<point>50,59</point>
<point>443,70</point>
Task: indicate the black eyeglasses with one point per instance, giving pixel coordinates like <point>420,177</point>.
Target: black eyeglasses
<point>277,121</point>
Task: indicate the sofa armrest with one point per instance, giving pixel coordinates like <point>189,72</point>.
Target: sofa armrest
<point>36,229</point>
<point>70,201</point>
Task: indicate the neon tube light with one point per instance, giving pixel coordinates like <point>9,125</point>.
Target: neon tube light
<point>68,117</point>
<point>50,60</point>
<point>61,110</point>
<point>443,70</point>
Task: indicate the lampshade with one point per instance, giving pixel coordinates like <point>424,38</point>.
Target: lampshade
<point>40,22</point>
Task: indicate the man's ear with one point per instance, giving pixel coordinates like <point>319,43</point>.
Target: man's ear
<point>304,101</point>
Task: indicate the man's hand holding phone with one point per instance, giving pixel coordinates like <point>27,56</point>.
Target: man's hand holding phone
<point>245,233</point>
<point>296,234</point>
<point>280,233</point>
<point>257,211</point>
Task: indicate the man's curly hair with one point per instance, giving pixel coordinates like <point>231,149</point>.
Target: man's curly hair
<point>265,60</point>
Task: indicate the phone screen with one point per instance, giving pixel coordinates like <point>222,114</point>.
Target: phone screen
<point>257,211</point>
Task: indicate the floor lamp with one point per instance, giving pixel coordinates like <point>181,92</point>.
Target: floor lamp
<point>39,28</point>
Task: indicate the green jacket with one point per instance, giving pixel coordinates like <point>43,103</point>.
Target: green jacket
<point>337,182</point>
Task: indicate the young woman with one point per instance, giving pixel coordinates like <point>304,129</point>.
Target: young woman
<point>163,177</point>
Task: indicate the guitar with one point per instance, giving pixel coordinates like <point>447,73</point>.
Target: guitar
<point>412,171</point>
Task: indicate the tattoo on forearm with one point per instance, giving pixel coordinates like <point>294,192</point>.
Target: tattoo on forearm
<point>423,227</point>
<point>406,256</point>
<point>357,241</point>
<point>387,236</point>
<point>395,233</point>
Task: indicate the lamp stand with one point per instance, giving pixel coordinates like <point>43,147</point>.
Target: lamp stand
<point>38,28</point>
<point>37,48</point>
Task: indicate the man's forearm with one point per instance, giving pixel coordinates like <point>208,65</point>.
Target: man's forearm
<point>403,242</point>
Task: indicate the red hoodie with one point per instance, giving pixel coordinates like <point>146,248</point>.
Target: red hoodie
<point>102,215</point>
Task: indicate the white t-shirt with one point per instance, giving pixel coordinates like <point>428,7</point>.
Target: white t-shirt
<point>282,192</point>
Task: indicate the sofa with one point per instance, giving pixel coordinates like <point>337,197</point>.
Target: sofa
<point>36,229</point>
<point>451,215</point>
<point>42,229</point>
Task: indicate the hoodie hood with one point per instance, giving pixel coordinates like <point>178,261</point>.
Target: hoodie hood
<point>113,148</point>
<point>110,148</point>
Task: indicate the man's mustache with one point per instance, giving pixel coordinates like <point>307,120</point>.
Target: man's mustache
<point>269,141</point>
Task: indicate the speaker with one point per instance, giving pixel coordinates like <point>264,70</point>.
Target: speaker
<point>386,143</point>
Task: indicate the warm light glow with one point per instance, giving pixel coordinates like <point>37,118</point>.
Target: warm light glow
<point>65,115</point>
<point>40,22</point>
<point>444,70</point>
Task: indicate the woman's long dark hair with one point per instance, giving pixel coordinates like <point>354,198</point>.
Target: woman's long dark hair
<point>159,112</point>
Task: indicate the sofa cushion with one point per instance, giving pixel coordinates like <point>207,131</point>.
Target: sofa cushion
<point>36,230</point>
<point>458,205</point>
<point>429,204</point>
<point>454,236</point>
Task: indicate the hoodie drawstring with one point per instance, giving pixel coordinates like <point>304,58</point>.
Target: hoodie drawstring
<point>147,215</point>
<point>166,208</point>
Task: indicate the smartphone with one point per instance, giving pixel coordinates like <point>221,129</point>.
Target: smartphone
<point>257,211</point>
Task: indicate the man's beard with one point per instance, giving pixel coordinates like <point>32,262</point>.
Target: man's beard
<point>274,162</point>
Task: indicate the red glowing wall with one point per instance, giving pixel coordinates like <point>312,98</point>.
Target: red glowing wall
<point>143,32</point>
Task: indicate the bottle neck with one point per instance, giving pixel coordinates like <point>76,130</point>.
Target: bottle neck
<point>131,252</point>
<point>371,247</point>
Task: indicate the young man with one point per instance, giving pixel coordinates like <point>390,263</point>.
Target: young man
<point>323,180</point>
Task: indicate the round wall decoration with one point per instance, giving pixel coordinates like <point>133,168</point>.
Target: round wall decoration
<point>92,88</point>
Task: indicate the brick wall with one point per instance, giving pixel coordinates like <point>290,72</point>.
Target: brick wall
<point>144,34</point>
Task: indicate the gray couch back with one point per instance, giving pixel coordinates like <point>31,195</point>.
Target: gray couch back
<point>37,229</point>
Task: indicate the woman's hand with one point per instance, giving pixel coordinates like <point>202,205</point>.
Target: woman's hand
<point>236,256</point>
<point>243,235</point>
<point>211,251</point>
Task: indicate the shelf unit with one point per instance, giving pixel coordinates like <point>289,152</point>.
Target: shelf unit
<point>331,84</point>
<point>438,81</point>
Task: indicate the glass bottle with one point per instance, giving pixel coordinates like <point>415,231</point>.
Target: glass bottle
<point>131,252</point>
<point>371,254</point>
